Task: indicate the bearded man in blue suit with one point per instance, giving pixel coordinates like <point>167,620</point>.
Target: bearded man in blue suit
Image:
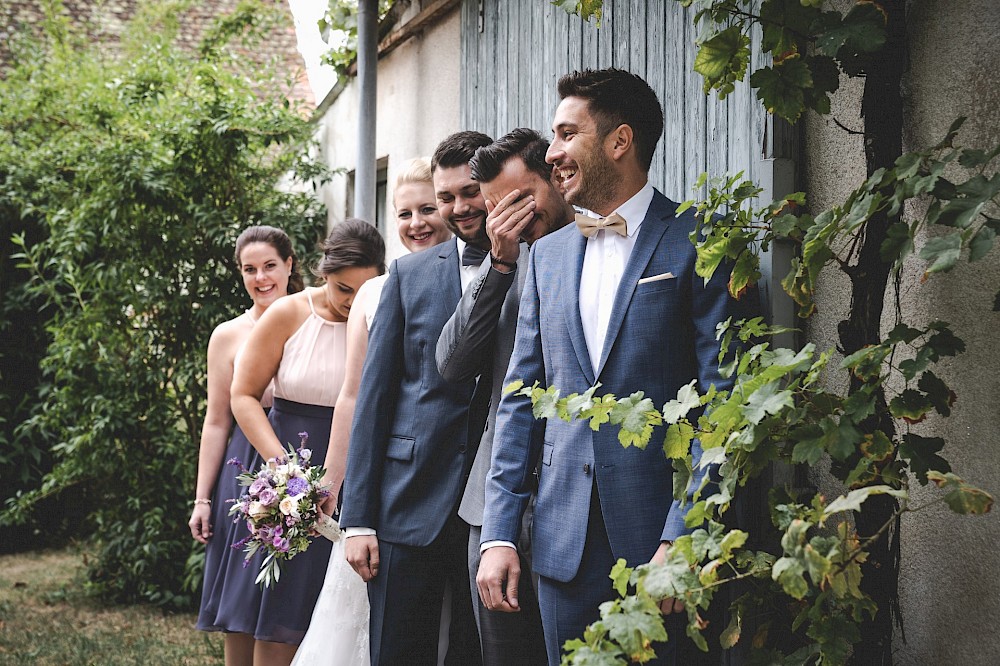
<point>614,299</point>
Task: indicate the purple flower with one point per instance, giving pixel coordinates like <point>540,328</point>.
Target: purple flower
<point>258,485</point>
<point>297,485</point>
<point>278,530</point>
<point>268,497</point>
<point>280,544</point>
<point>264,534</point>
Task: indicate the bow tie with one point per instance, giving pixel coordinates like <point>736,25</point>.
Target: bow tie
<point>591,225</point>
<point>473,256</point>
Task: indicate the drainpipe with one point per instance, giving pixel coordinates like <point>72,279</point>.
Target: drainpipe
<point>364,175</point>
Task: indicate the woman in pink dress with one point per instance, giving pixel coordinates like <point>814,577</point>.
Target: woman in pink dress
<point>300,344</point>
<point>338,633</point>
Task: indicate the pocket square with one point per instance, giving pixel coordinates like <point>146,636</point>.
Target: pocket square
<point>656,278</point>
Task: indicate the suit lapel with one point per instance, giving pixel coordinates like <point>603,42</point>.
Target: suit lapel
<point>572,268</point>
<point>448,258</point>
<point>653,227</point>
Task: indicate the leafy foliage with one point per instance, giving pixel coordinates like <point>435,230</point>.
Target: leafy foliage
<point>810,47</point>
<point>129,179</point>
<point>339,29</point>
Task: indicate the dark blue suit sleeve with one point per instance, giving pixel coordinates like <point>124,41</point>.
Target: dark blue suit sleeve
<point>710,304</point>
<point>510,485</point>
<point>377,399</point>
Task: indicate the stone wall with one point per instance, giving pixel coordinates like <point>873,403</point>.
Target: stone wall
<point>949,593</point>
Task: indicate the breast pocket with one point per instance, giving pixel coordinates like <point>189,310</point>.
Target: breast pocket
<point>400,448</point>
<point>657,286</point>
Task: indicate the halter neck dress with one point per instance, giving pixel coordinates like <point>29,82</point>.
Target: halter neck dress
<point>225,576</point>
<point>306,386</point>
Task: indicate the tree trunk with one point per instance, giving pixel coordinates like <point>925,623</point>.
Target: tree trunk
<point>882,110</point>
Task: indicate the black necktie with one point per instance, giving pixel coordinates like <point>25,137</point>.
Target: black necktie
<point>473,256</point>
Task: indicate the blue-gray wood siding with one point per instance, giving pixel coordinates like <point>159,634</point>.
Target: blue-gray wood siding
<point>514,51</point>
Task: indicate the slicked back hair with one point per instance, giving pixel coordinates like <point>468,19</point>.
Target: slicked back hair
<point>458,149</point>
<point>522,142</point>
<point>616,97</point>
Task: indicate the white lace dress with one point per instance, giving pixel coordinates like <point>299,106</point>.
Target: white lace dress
<point>338,631</point>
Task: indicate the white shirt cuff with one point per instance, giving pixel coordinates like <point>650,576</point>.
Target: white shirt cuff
<point>494,544</point>
<point>358,531</point>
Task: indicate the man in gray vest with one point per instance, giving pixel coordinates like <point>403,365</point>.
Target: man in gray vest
<point>525,204</point>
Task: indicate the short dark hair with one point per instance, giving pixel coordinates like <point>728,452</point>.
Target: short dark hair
<point>281,243</point>
<point>458,149</point>
<point>616,97</point>
<point>351,244</point>
<point>521,142</point>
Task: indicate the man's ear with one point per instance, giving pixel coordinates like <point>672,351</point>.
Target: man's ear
<point>619,142</point>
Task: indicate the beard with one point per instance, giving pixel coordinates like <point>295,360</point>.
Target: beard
<point>476,237</point>
<point>597,182</point>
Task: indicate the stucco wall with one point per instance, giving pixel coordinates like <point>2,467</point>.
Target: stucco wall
<point>418,106</point>
<point>950,592</point>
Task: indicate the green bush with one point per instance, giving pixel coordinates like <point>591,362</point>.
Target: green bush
<point>126,180</point>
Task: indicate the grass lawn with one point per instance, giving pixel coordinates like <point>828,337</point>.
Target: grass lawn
<point>46,619</point>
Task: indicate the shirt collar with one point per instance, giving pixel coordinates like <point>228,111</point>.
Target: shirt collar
<point>634,210</point>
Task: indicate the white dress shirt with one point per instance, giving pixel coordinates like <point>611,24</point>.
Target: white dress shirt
<point>604,261</point>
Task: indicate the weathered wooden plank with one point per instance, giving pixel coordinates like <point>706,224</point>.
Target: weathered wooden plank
<point>589,56</point>
<point>654,54</point>
<point>694,111</point>
<point>716,135</point>
<point>502,71</point>
<point>675,119</point>
<point>623,50</point>
<point>606,36</point>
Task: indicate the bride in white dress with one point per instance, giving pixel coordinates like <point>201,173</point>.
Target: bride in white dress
<point>338,631</point>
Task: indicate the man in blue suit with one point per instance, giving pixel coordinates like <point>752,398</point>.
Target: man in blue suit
<point>525,204</point>
<point>613,299</point>
<point>411,446</point>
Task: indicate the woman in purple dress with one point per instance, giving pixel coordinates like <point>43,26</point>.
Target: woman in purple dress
<point>268,267</point>
<point>300,345</point>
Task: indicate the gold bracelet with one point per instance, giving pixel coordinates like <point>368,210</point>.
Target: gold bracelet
<point>202,501</point>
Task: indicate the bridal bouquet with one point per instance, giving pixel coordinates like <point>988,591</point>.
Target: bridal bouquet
<point>279,505</point>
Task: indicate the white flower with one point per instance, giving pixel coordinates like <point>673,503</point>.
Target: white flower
<point>290,505</point>
<point>305,454</point>
<point>281,475</point>
<point>257,509</point>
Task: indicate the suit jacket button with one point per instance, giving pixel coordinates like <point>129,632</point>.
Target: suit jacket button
<point>586,468</point>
